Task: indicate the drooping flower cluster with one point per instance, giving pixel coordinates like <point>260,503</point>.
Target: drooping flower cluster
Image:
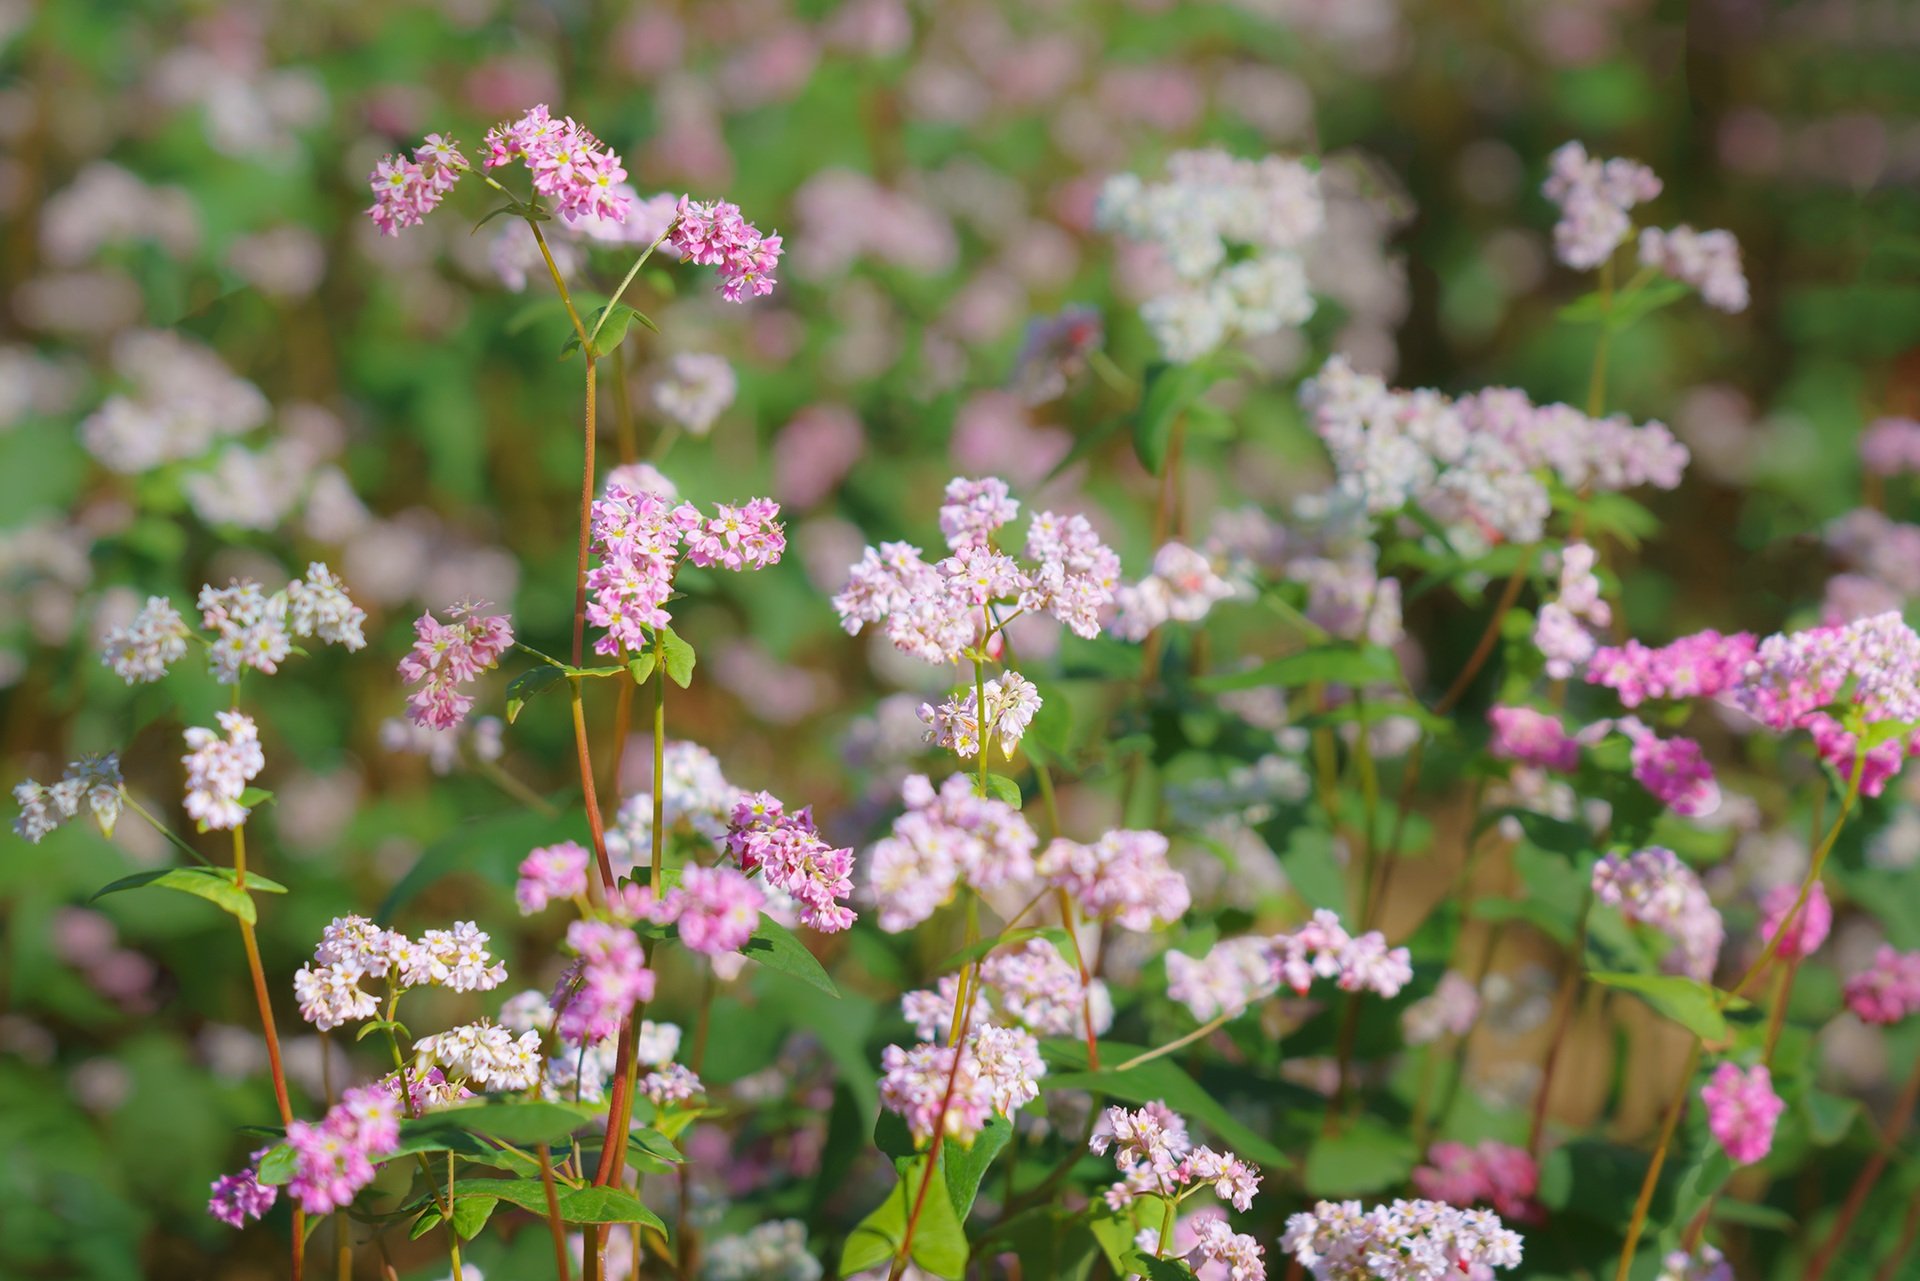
<point>1594,196</point>
<point>1888,990</point>
<point>551,872</point>
<point>1490,1173</point>
<point>596,992</point>
<point>1183,587</point>
<point>1012,702</point>
<point>447,656</point>
<point>153,641</point>
<point>1698,666</point>
<point>787,851</point>
<point>239,1197</point>
<point>638,536</point>
<point>219,769</point>
<point>1154,1154</point>
<point>946,838</point>
<point>406,191</point>
<point>995,1070</point>
<point>714,234</point>
<point>1532,738</point>
<point>1231,230</point>
<point>1873,662</point>
<point>1653,887</point>
<point>483,1054</point>
<point>338,1156</point>
<point>1478,466</point>
<point>92,780</point>
<point>1404,1241</point>
<point>1123,877</point>
<point>1707,260</point>
<point>1323,949</point>
<point>1742,1110</point>
<point>1227,980</point>
<point>935,612</point>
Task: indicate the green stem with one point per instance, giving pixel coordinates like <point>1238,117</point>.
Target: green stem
<point>566,299</point>
<point>627,280</point>
<point>1210,1026</point>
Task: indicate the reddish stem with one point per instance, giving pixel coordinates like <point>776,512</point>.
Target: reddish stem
<point>1869,1175</point>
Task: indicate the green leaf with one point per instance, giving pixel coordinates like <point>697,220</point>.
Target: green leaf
<point>655,1144</point>
<point>1156,1079</point>
<point>511,207</point>
<point>1335,664</point>
<point>382,1025</point>
<point>278,1165</point>
<point>577,1205</point>
<point>939,1244</point>
<point>776,947</point>
<point>1688,1002</point>
<point>1829,1116</point>
<point>1001,788</point>
<point>966,1167</point>
<point>215,884</point>
<point>1624,308</point>
<point>255,796</point>
<point>1364,1157</point>
<point>1169,390</point>
<point>641,665</point>
<point>512,1120</point>
<point>677,657</point>
<point>470,1214</point>
<point>527,684</point>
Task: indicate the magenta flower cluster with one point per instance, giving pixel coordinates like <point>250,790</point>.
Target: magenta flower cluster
<point>448,656</point>
<point>1742,1110</point>
<point>575,170</point>
<point>1888,990</point>
<point>598,990</point>
<point>714,234</point>
<point>406,191</point>
<point>1698,666</point>
<point>1322,949</point>
<point>1489,1173</point>
<point>787,851</point>
<point>339,1155</point>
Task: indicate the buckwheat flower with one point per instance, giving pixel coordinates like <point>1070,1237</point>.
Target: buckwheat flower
<point>749,537</point>
<point>251,627</point>
<point>357,942</point>
<point>337,1157</point>
<point>1322,949</point>
<point>318,605</point>
<point>693,390</point>
<point>92,780</point>
<point>239,1197</point>
<point>636,539</point>
<point>1676,772</point>
<point>1594,196</point>
<point>914,1085</point>
<point>775,1250</point>
<point>1075,575</point>
<point>1707,260</point>
<point>1532,738</point>
<point>582,177</point>
<point>483,1054</point>
<point>1492,1174</point>
<point>1148,1145</point>
<point>459,959</point>
<point>593,1000</point>
<point>219,769</point>
<point>791,858</point>
<point>1012,702</point>
<point>973,510</point>
<point>980,576</point>
<point>1888,990</point>
<point>655,1044</point>
<point>1809,926</point>
<point>1233,1180</point>
<point>639,478</point>
<point>1698,666</point>
<point>923,615</point>
<point>672,1084</point>
<point>448,656</point>
<point>945,838</point>
<point>719,909</point>
<point>1707,1264</point>
<point>330,995</point>
<point>1123,877</point>
<point>146,647</point>
<point>931,1011</point>
<point>1008,1062</point>
<point>1182,588</point>
<point>406,191</point>
<point>551,872</point>
<point>1217,1245</point>
<point>714,234</point>
<point>1041,990</point>
<point>1653,887</point>
<point>1367,964</point>
<point>1742,1110</point>
<point>1231,977</point>
<point>1407,1241</point>
<point>1451,1009</point>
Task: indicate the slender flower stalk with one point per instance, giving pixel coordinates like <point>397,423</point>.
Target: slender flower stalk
<point>1863,1183</point>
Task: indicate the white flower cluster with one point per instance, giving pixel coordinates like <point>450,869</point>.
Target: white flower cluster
<point>1231,230</point>
<point>219,769</point>
<point>251,629</point>
<point>694,389</point>
<point>353,948</point>
<point>44,807</point>
<point>181,400</point>
<point>1012,701</point>
<point>581,1073</point>
<point>1183,587</point>
<point>1404,1241</point>
<point>695,793</point>
<point>483,1054</point>
<point>771,1251</point>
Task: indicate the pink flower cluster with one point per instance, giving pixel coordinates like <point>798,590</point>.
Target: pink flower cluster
<point>1407,1241</point>
<point>551,872</point>
<point>1323,949</point>
<point>716,908</point>
<point>219,769</point>
<point>1808,927</point>
<point>638,536</point>
<point>1183,587</point>
<point>1532,738</point>
<point>239,1197</point>
<point>1594,196</point>
<point>1653,887</point>
<point>1742,1110</point>
<point>787,851</point>
<point>1891,446</point>
<point>1492,1174</point>
<point>1561,632</point>
<point>406,191</point>
<point>337,1157</point>
<point>446,656</point>
<point>714,234</point>
<point>596,992</point>
<point>1674,769</point>
<point>1123,877</point>
<point>936,611</point>
<point>1707,260</point>
<point>1154,1154</point>
<point>945,838</point>
<point>1888,990</point>
<point>1041,990</point>
<point>1232,975</point>
<point>943,1088</point>
<point>1697,666</point>
<point>570,167</point>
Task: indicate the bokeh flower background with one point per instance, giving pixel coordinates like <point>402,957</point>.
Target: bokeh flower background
<point>213,365</point>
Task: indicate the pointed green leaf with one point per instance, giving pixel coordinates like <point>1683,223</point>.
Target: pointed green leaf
<point>215,884</point>
<point>776,947</point>
<point>527,684</point>
<point>1688,1002</point>
<point>1001,788</point>
<point>641,665</point>
<point>677,656</point>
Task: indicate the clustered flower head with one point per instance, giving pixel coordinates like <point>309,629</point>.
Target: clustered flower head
<point>1231,231</point>
<point>1698,666</point>
<point>153,641</point>
<point>482,1054</point>
<point>406,191</point>
<point>1594,196</point>
<point>1403,1241</point>
<point>219,769</point>
<point>1041,990</point>
<point>447,656</point>
<point>1674,770</point>
<point>1705,1264</point>
<point>946,838</point>
<point>1323,949</point>
<point>91,780</point>
<point>339,1155</point>
<point>1183,587</point>
<point>693,390</point>
<point>1888,990</point>
<point>1490,1173</point>
<point>1563,631</point>
<point>714,234</point>
<point>239,1197</point>
<point>595,993</point>
<point>772,1251</point>
<point>1742,1110</point>
<point>935,612</point>
<point>251,629</point>
<point>1806,929</point>
<point>1532,738</point>
<point>1707,260</point>
<point>1891,446</point>
<point>1653,887</point>
<point>1123,877</point>
<point>1154,1154</point>
<point>1478,466</point>
<point>697,797</point>
<point>955,1089</point>
<point>353,948</point>
<point>575,170</point>
<point>1012,701</point>
<point>716,909</point>
<point>1451,1009</point>
<point>1227,980</point>
<point>639,537</point>
<point>788,852</point>
<point>551,872</point>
